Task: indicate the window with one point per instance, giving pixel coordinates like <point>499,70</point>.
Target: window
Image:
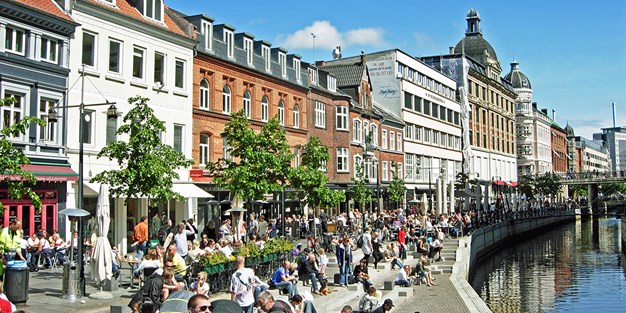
<point>342,160</point>
<point>435,110</point>
<point>342,118</point>
<point>49,50</point>
<point>230,43</point>
<point>14,40</point>
<point>399,145</point>
<point>400,171</point>
<point>374,135</point>
<point>247,44</point>
<point>408,132</point>
<point>320,114</point>
<point>296,116</point>
<point>89,49</point>
<point>179,78</point>
<point>204,94</point>
<point>153,9</point>
<point>88,125</point>
<point>12,114</point>
<point>357,130</point>
<point>226,107</point>
<point>264,108</point>
<point>408,100</point>
<point>226,150</point>
<point>392,142</point>
<point>296,67</point>
<point>159,68</point>
<point>246,103</point>
<point>282,61</point>
<point>426,107</point>
<point>313,76</point>
<point>384,138</point>
<point>418,133</point>
<point>281,112</point>
<point>204,149</point>
<point>408,165</point>
<point>178,138</point>
<point>49,131</point>
<point>417,104</point>
<point>115,56</point>
<point>385,171</point>
<point>332,83</point>
<point>265,53</point>
<point>207,31</point>
<point>138,62</point>
<point>111,129</point>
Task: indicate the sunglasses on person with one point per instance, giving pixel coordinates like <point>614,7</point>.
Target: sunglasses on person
<point>203,308</point>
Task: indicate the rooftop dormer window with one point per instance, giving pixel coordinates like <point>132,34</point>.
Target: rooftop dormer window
<point>229,39</point>
<point>296,67</point>
<point>109,2</point>
<point>152,9</point>
<point>332,83</point>
<point>313,76</point>
<point>265,53</point>
<point>207,31</point>
<point>282,60</point>
<point>248,46</point>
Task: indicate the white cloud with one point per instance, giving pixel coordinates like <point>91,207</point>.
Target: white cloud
<point>328,37</point>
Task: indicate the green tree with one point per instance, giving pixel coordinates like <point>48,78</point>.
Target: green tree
<point>527,186</point>
<point>360,193</point>
<point>12,158</point>
<point>257,164</point>
<point>147,168</point>
<point>396,190</point>
<point>310,181</point>
<point>548,184</point>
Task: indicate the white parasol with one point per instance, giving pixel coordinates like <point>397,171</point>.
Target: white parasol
<point>101,260</point>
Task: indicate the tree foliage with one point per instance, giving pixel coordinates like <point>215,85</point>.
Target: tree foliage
<point>547,184</point>
<point>310,181</point>
<point>360,193</point>
<point>259,163</point>
<point>147,168</point>
<point>396,189</point>
<point>12,158</point>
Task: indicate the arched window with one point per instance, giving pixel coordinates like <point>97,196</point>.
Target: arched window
<point>204,94</point>
<point>264,108</point>
<point>296,116</point>
<point>226,106</point>
<point>246,103</point>
<point>281,112</point>
<point>204,149</point>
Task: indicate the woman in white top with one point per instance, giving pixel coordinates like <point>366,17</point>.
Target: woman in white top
<point>151,261</point>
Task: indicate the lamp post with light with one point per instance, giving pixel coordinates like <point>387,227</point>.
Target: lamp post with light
<point>53,116</point>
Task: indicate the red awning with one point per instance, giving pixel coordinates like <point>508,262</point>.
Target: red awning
<point>513,184</point>
<point>47,173</point>
<point>499,182</point>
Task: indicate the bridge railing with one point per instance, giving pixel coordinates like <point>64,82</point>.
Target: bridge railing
<point>592,175</point>
<point>487,217</point>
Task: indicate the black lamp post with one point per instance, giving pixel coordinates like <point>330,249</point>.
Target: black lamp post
<point>53,115</point>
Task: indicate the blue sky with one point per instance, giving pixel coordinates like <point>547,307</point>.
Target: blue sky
<point>574,52</point>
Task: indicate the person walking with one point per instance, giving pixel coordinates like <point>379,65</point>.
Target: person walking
<point>344,260</point>
<point>242,286</point>
<point>367,247</point>
<point>140,236</point>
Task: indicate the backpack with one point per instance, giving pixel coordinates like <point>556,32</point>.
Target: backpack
<point>359,242</point>
<point>162,234</point>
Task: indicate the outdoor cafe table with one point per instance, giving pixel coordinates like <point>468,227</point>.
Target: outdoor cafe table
<point>132,264</point>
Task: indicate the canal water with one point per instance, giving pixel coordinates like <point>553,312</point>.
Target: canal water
<point>576,267</point>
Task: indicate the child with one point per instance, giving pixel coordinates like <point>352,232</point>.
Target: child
<point>200,286</point>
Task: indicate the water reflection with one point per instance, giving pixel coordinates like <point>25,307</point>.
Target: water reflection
<point>575,267</point>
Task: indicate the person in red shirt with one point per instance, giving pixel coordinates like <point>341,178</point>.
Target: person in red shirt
<point>402,242</point>
<point>140,236</point>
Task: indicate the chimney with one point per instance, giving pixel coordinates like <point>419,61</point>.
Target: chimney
<point>554,115</point>
<point>451,50</point>
<point>535,105</point>
<point>544,111</point>
<point>362,57</point>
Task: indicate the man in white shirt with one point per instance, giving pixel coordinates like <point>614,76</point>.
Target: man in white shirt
<point>242,286</point>
<point>181,240</point>
<point>367,247</point>
<point>402,278</point>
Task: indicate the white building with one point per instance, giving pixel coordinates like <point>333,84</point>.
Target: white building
<point>614,140</point>
<point>129,48</point>
<point>534,148</point>
<point>426,100</point>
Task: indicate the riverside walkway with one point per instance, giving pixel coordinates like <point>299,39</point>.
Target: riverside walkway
<point>45,291</point>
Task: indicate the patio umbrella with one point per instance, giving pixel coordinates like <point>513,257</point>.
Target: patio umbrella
<point>224,306</point>
<point>176,302</point>
<point>101,262</point>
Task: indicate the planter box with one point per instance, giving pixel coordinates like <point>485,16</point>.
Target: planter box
<point>252,260</point>
<point>214,269</point>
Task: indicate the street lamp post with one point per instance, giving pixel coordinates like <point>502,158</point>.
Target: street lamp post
<point>53,115</point>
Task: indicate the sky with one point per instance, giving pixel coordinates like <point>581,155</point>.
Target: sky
<point>573,52</point>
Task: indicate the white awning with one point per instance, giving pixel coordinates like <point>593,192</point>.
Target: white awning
<point>188,190</point>
<point>91,189</point>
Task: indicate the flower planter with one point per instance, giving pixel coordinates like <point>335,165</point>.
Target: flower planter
<point>253,260</point>
<point>214,269</point>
